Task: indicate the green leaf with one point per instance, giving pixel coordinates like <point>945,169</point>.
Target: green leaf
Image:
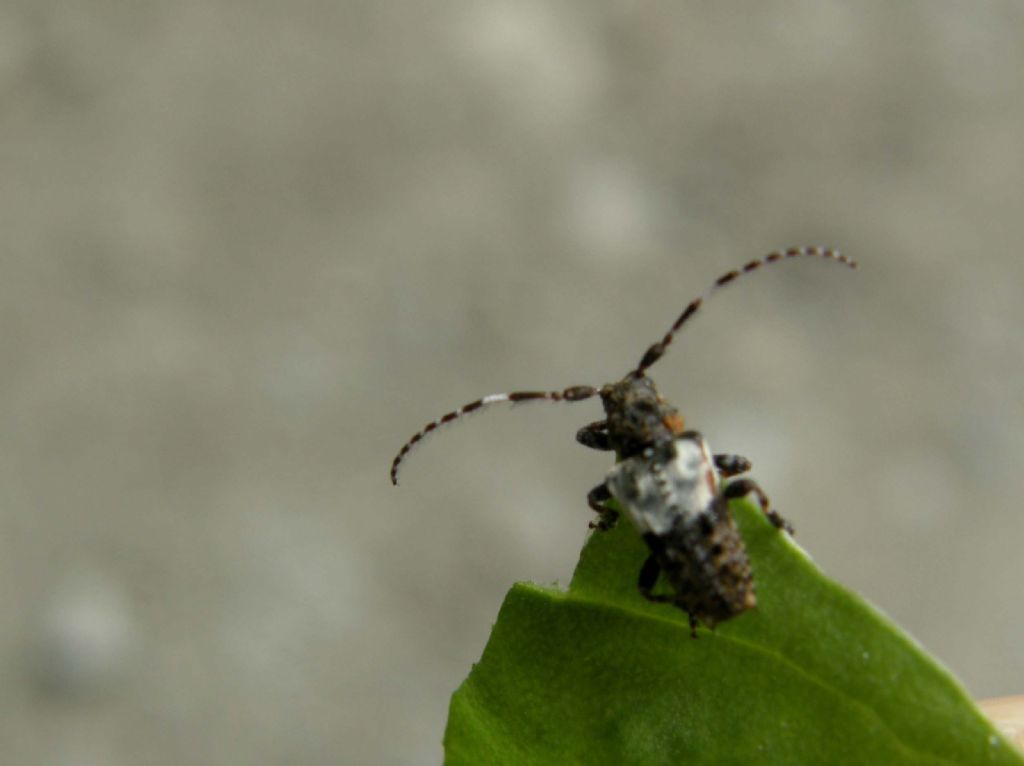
<point>814,675</point>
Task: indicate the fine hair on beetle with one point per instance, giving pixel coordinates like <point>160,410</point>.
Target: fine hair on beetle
<point>666,479</point>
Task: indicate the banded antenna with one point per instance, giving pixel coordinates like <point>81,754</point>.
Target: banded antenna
<point>571,394</point>
<point>655,352</point>
<point>652,355</point>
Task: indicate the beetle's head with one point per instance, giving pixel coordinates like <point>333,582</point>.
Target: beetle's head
<point>638,416</point>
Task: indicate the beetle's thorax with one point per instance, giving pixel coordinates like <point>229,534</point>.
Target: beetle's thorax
<point>637,415</point>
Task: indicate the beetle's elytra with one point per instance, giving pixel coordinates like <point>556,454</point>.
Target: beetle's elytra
<point>675,492</point>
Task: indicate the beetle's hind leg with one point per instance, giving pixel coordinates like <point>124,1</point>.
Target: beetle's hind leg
<point>648,577</point>
<point>595,436</point>
<point>744,487</point>
<point>645,584</point>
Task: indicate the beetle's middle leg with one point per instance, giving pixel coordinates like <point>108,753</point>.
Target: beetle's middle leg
<point>606,517</point>
<point>731,465</point>
<point>744,487</point>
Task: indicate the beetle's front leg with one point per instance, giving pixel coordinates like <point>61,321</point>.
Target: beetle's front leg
<point>744,487</point>
<point>731,465</point>
<point>606,517</point>
<point>595,436</point>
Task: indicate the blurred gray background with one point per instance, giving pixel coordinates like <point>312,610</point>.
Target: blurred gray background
<point>249,248</point>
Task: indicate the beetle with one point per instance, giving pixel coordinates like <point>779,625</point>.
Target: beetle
<point>666,479</point>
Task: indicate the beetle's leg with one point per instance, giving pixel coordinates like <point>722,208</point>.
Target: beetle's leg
<point>645,584</point>
<point>648,577</point>
<point>731,465</point>
<point>744,487</point>
<point>606,517</point>
<point>595,435</point>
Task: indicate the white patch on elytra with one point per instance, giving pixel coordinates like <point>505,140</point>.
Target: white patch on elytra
<point>667,482</point>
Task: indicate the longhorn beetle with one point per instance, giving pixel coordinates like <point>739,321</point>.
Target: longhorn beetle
<point>666,479</point>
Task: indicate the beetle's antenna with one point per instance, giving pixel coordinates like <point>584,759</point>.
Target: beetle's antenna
<point>571,394</point>
<point>655,352</point>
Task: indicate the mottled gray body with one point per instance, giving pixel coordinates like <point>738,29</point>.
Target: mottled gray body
<point>666,480</point>
<point>672,494</point>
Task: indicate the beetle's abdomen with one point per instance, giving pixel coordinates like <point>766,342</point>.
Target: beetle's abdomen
<point>704,561</point>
